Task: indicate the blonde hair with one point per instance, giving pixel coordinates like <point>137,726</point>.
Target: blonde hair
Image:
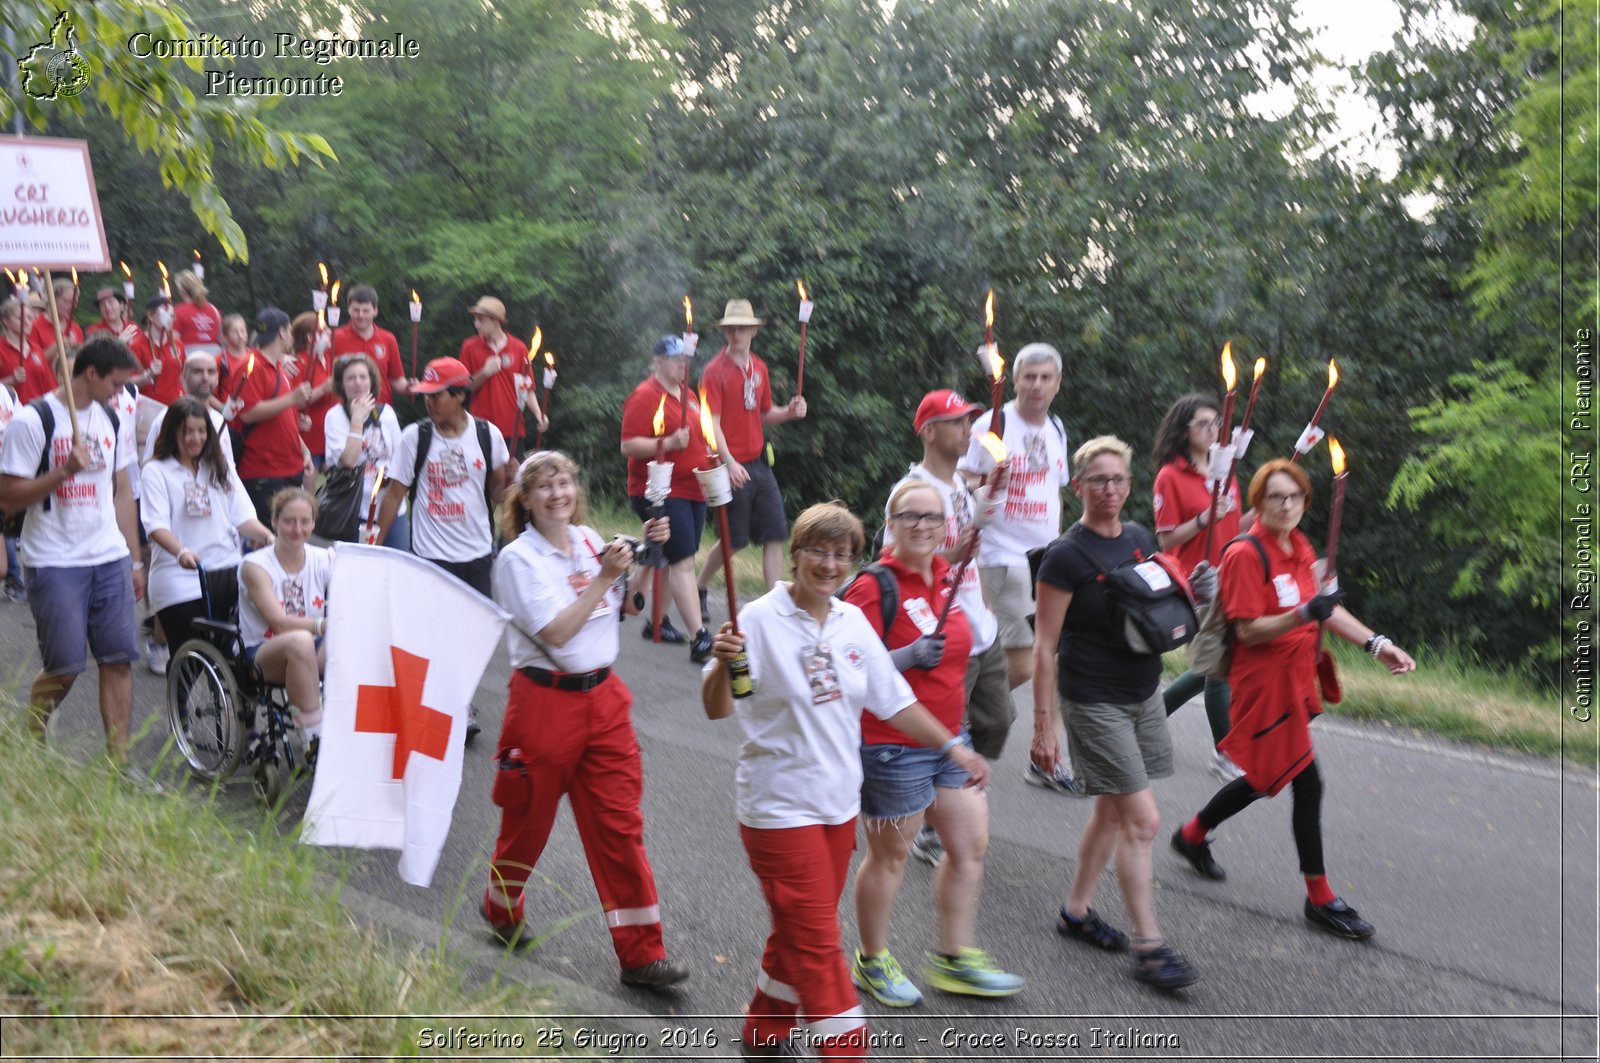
<point>1102,445</point>
<point>287,495</point>
<point>908,486</point>
<point>515,515</point>
<point>189,286</point>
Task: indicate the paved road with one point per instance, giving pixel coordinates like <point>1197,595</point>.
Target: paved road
<point>1478,870</point>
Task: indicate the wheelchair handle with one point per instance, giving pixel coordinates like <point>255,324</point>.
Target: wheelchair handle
<point>205,587</point>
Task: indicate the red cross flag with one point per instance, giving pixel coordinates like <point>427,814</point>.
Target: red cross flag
<point>395,702</point>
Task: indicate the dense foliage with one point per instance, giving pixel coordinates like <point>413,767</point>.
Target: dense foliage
<point>1112,170</point>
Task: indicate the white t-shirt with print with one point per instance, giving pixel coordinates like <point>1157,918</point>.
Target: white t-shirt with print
<point>533,581</point>
<point>204,517</point>
<point>80,527</point>
<point>303,593</point>
<point>379,444</point>
<point>126,403</point>
<point>1031,516</point>
<point>451,521</point>
<point>217,422</point>
<point>959,510</point>
<point>801,760</point>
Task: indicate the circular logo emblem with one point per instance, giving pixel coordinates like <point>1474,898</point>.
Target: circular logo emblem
<point>68,72</point>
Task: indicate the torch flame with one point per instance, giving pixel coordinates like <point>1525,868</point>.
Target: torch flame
<point>322,268</point>
<point>126,272</point>
<point>533,344</point>
<point>322,321</point>
<point>414,297</point>
<point>800,286</point>
<point>1333,374</point>
<point>74,276</point>
<point>995,446</point>
<point>706,428</point>
<point>250,364</point>
<point>1229,374</point>
<point>988,310</point>
<point>163,267</point>
<point>550,359</point>
<point>993,364</point>
<point>1337,452</point>
<point>377,483</point>
<point>688,315</point>
<point>658,426</point>
<point>333,297</point>
<point>1261,367</point>
<point>196,251</point>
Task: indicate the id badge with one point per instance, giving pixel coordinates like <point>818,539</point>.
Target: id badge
<point>196,500</point>
<point>821,673</point>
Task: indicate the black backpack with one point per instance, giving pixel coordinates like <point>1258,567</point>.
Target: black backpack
<point>1149,613</point>
<point>12,526</point>
<point>425,444</point>
<point>888,592</point>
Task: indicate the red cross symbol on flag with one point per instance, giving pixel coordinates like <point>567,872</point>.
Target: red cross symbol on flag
<point>398,710</point>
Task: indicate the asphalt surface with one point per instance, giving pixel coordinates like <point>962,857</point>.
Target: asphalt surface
<point>1479,871</point>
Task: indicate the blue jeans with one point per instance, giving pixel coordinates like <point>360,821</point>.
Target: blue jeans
<point>898,781</point>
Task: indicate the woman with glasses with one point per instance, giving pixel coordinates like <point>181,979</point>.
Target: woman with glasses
<point>1277,615</point>
<point>902,783</point>
<point>1116,724</point>
<point>568,728</point>
<point>816,664</point>
<point>1182,456</point>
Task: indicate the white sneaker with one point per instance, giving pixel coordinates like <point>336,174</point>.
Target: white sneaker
<point>156,656</point>
<point>1223,767</point>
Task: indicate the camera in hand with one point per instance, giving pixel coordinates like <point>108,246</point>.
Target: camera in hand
<point>636,547</point>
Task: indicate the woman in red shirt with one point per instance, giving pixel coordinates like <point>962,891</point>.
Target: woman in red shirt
<point>1182,456</point>
<point>902,783</point>
<point>197,322</point>
<point>1277,617</point>
<point>312,363</point>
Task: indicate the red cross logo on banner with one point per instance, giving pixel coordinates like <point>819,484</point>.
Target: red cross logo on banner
<point>398,710</point>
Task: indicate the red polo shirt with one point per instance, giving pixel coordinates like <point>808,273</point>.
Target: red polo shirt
<point>197,324</point>
<point>725,385</point>
<point>638,413</point>
<point>495,400</point>
<point>167,385</point>
<point>381,347</point>
<point>1181,494</point>
<point>272,447</point>
<point>41,335</point>
<point>318,369</point>
<point>41,374</point>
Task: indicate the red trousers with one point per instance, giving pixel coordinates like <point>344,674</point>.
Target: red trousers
<point>556,742</point>
<point>803,971</point>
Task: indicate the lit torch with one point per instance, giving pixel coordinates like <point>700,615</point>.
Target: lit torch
<point>1312,433</point>
<point>716,483</point>
<point>1255,389</point>
<point>127,281</point>
<point>166,286</point>
<point>997,450</point>
<point>333,305</point>
<point>1221,463</point>
<point>74,276</point>
<point>658,428</point>
<point>805,318</point>
<point>658,486</point>
<point>690,342</point>
<point>1335,514</point>
<point>372,505</point>
<point>199,266</point>
<point>997,386</point>
<point>319,296</point>
<point>416,318</point>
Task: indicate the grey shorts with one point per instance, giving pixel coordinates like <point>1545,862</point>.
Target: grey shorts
<point>1011,598</point>
<point>756,513</point>
<point>990,709</point>
<point>79,610</point>
<point>1118,749</point>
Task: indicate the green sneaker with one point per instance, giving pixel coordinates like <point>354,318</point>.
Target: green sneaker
<point>970,974</point>
<point>881,978</point>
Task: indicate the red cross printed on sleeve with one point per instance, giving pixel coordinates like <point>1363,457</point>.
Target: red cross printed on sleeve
<point>477,463</point>
<point>108,443</point>
<point>398,710</point>
<point>317,602</point>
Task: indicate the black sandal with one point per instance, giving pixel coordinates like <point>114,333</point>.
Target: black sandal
<point>1092,929</point>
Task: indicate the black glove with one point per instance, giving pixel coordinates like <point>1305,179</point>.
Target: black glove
<point>1321,607</point>
<point>926,652</point>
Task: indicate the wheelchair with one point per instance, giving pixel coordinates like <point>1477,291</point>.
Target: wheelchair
<point>224,714</point>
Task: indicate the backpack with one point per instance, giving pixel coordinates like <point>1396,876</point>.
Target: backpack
<point>888,592</point>
<point>1148,598</point>
<point>425,444</point>
<point>12,527</point>
<point>1211,652</point>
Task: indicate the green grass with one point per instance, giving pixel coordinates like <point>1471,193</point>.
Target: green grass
<point>1454,697</point>
<point>115,903</point>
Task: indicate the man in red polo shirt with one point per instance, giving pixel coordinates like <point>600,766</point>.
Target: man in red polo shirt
<point>501,374</point>
<point>274,457</point>
<point>363,336</point>
<point>738,389</point>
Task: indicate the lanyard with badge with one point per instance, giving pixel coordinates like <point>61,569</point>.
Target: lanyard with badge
<point>196,498</point>
<point>822,673</point>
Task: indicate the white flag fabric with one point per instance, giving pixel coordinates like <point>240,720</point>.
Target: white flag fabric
<point>407,644</point>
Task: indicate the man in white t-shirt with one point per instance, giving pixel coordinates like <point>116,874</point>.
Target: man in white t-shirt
<point>465,472</point>
<point>79,539</point>
<point>199,381</point>
<point>1037,455</point>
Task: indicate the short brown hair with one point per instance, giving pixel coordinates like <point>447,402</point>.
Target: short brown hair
<point>1258,482</point>
<point>825,523</point>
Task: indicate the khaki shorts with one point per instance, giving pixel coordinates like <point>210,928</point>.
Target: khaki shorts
<point>1011,598</point>
<point>1118,749</point>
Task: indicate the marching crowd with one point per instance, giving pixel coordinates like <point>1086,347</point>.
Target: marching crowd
<point>879,694</point>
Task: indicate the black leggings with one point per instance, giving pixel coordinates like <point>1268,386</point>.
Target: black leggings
<point>224,590</point>
<point>1306,789</point>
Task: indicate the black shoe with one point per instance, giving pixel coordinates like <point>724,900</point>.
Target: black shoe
<point>1199,857</point>
<point>657,974</point>
<point>1338,919</point>
<point>668,633</point>
<point>473,727</point>
<point>700,648</point>
<point>1164,967</point>
<point>1092,929</point>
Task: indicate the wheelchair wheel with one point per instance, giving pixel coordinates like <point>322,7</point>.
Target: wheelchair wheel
<point>203,709</point>
<point>268,779</point>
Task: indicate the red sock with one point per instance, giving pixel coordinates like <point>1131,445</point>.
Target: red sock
<point>1194,832</point>
<point>1319,891</point>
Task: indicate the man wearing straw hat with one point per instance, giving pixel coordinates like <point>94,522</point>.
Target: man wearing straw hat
<point>738,388</point>
<point>496,359</point>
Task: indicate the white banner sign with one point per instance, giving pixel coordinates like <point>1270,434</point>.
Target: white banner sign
<point>49,213</point>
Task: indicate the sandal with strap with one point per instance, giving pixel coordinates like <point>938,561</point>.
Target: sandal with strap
<point>1092,929</point>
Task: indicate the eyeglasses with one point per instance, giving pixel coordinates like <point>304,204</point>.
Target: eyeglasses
<point>1205,424</point>
<point>838,557</point>
<point>1100,483</point>
<point>919,520</point>
<point>1294,498</point>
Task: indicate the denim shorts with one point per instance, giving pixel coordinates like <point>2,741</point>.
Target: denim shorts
<point>81,610</point>
<point>686,519</point>
<point>898,781</point>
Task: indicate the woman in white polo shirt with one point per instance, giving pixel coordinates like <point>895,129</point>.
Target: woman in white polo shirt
<point>194,509</point>
<point>815,665</point>
<point>567,726</point>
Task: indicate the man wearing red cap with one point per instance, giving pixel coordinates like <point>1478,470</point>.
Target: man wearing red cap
<point>738,389</point>
<point>363,336</point>
<point>501,380</point>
